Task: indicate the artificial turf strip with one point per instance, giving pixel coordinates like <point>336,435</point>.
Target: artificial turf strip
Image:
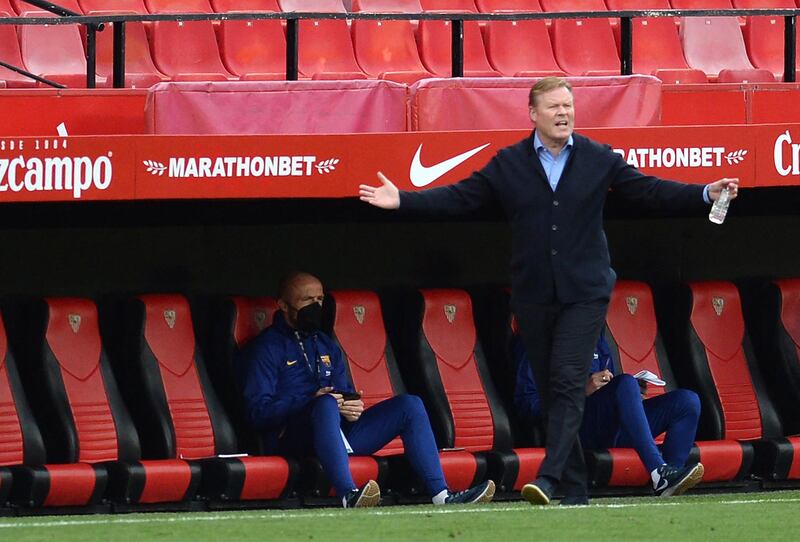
<point>750,516</point>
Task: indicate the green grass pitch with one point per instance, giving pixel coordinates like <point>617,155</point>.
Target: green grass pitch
<point>730,517</point>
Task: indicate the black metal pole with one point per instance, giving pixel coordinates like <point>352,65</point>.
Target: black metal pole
<point>31,75</point>
<point>91,55</point>
<point>458,48</point>
<point>789,48</point>
<point>119,54</point>
<point>292,34</point>
<point>626,45</point>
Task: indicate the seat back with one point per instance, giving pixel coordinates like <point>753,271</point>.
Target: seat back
<point>435,46</point>
<point>632,334</point>
<point>178,413</point>
<point>140,71</point>
<point>332,6</point>
<point>22,442</point>
<point>253,47</point>
<point>10,53</point>
<point>178,6</point>
<point>403,6</point>
<point>185,48</point>
<point>22,7</point>
<point>715,343</point>
<point>326,48</point>
<point>448,5</point>
<point>440,348</point>
<point>386,46</point>
<point>55,52</point>
<point>520,48</point>
<point>136,6</point>
<point>224,6</point>
<point>89,423</point>
<point>359,330</point>
<point>585,46</point>
<point>656,45</point>
<point>712,44</point>
<point>489,6</point>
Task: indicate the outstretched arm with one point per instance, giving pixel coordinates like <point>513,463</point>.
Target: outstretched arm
<point>385,196</point>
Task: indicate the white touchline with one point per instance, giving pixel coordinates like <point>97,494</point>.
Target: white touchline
<point>424,175</point>
<point>389,511</point>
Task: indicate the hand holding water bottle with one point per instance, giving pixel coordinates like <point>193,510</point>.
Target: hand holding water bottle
<point>721,192</point>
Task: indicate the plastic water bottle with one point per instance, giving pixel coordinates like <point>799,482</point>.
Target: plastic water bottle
<point>720,207</point>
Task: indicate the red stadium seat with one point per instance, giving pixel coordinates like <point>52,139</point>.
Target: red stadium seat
<point>763,36</point>
<point>178,6</point>
<point>326,50</point>
<point>25,479</point>
<point>657,45</point>
<point>712,44</point>
<point>402,6</point>
<point>489,6</point>
<point>7,8</point>
<point>56,53</point>
<point>435,46</point>
<point>254,49</point>
<point>178,412</point>
<point>23,7</point>
<point>135,6</point>
<point>387,50</point>
<point>358,329</point>
<point>585,47</point>
<point>224,6</point>
<point>701,4</point>
<point>10,53</point>
<point>520,48</point>
<point>321,6</point>
<point>449,5</point>
<point>187,51</point>
<point>140,72</point>
<point>709,335</point>
<point>434,334</point>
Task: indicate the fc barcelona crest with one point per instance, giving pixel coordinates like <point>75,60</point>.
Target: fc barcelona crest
<point>74,322</point>
<point>326,360</point>
<point>719,304</point>
<point>633,304</point>
<point>169,316</point>
<point>260,318</point>
<point>450,313</point>
<point>359,311</point>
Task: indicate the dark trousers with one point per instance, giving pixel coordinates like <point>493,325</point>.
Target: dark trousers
<point>560,339</point>
<point>316,431</point>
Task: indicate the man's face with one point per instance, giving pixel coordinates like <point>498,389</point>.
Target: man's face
<point>304,292</point>
<point>554,116</point>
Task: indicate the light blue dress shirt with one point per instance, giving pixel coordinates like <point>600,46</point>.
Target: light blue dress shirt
<point>553,165</point>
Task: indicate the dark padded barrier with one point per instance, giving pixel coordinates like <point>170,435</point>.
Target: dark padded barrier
<point>187,422</point>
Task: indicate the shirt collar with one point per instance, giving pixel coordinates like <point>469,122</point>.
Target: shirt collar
<point>538,145</point>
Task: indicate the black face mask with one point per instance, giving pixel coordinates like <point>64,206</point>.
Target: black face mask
<point>309,318</point>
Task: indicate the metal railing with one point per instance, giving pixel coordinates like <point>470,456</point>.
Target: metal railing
<point>95,24</point>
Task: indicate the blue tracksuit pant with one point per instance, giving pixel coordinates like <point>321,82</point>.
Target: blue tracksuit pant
<point>616,416</point>
<point>404,415</point>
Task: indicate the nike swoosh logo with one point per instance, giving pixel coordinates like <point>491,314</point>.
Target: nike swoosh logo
<point>290,363</point>
<point>662,484</point>
<point>424,175</point>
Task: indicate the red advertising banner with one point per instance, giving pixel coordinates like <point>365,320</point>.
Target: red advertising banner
<point>331,166</point>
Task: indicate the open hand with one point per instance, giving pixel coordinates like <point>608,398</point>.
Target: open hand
<point>385,196</point>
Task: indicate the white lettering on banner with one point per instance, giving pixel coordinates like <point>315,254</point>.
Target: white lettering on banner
<point>69,173</point>
<point>783,143</point>
<point>683,157</point>
<point>241,166</point>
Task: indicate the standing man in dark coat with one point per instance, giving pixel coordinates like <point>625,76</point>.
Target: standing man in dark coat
<point>553,186</point>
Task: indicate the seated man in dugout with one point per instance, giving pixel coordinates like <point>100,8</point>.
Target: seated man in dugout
<point>298,395</point>
<point>617,415</point>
